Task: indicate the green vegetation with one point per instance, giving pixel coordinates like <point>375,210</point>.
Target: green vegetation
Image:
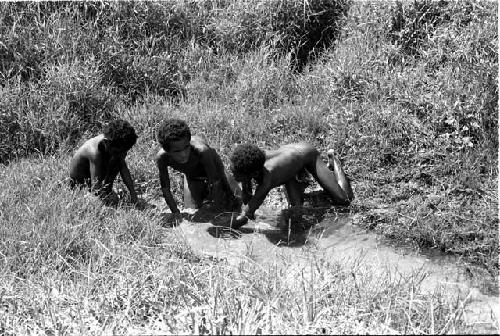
<point>405,92</point>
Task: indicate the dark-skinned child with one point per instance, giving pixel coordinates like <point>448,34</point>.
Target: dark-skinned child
<point>285,166</point>
<point>205,178</point>
<point>99,160</point>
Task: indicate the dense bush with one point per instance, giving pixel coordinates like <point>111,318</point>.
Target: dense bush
<point>303,29</point>
<point>422,123</point>
<point>464,53</point>
<point>132,40</point>
<point>72,61</point>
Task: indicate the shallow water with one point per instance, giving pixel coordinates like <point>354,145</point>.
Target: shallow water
<point>268,239</point>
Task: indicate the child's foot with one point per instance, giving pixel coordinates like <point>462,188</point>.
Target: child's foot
<point>239,222</point>
<point>334,163</point>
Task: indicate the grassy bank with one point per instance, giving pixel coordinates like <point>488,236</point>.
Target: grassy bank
<point>71,265</point>
<point>406,93</point>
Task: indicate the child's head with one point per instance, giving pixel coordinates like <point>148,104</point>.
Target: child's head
<point>120,135</point>
<point>174,137</point>
<point>247,162</point>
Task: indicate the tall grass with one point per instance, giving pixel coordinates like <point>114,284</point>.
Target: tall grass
<point>430,140</point>
<point>405,92</point>
<point>72,265</point>
<point>91,56</point>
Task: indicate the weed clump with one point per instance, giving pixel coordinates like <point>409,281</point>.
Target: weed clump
<point>301,29</point>
<point>139,45</point>
<point>57,110</point>
<point>307,28</point>
<point>412,25</point>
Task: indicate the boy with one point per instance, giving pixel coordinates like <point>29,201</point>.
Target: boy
<point>205,176</point>
<point>285,166</point>
<point>99,160</point>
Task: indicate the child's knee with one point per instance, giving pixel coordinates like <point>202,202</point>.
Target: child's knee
<point>233,185</point>
<point>198,191</point>
<point>295,192</point>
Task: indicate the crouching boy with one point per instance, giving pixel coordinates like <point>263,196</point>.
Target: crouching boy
<point>285,166</point>
<point>99,160</point>
<point>204,174</point>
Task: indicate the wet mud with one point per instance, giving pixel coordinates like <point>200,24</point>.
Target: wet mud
<point>276,236</point>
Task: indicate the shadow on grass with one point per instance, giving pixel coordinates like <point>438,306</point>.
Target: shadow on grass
<point>291,227</point>
<point>206,214</point>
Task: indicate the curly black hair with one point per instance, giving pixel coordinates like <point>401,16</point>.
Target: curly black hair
<point>172,130</point>
<point>120,133</point>
<point>247,159</point>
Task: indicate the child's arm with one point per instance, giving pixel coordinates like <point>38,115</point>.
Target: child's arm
<point>246,192</point>
<point>113,168</point>
<point>257,200</point>
<point>165,184</point>
<point>96,179</point>
<point>248,211</point>
<point>219,189</point>
<point>127,179</point>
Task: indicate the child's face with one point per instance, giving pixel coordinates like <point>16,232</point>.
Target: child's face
<point>179,150</point>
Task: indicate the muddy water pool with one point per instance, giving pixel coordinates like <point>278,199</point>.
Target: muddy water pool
<point>267,239</point>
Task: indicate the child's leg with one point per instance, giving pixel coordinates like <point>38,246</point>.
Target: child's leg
<point>292,216</point>
<point>226,178</point>
<point>295,192</point>
<point>233,185</point>
<point>335,166</point>
<point>195,191</point>
<point>110,178</point>
<point>229,190</point>
<point>329,181</point>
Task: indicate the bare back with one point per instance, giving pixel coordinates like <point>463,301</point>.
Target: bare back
<point>287,162</point>
<point>83,158</point>
<point>282,166</point>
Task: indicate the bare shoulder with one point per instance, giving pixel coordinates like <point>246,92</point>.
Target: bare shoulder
<point>89,149</point>
<point>200,144</point>
<point>161,157</point>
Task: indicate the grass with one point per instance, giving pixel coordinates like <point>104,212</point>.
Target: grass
<point>405,92</point>
<point>81,267</point>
